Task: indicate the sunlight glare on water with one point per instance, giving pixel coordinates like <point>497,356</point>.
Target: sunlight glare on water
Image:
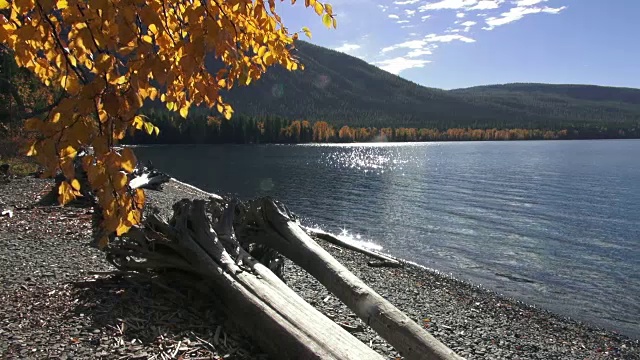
<point>370,158</point>
<point>353,239</point>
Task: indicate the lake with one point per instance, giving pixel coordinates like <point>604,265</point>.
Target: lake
<point>555,224</point>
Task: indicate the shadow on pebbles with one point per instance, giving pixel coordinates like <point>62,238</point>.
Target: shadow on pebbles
<point>60,299</point>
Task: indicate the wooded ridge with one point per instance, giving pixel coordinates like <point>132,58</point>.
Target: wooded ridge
<point>344,90</point>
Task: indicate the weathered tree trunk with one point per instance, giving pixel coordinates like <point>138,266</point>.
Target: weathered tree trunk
<point>278,231</point>
<point>386,260</point>
<point>272,313</point>
<point>269,311</point>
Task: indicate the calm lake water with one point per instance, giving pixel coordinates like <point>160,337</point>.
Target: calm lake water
<point>555,224</point>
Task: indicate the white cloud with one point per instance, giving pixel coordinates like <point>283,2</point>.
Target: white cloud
<point>411,44</point>
<point>410,13</point>
<point>427,43</point>
<point>384,8</point>
<point>407,26</point>
<point>465,5</point>
<point>347,48</point>
<point>447,4</point>
<point>447,38</point>
<point>460,15</point>
<point>402,21</point>
<point>467,25</point>
<point>406,2</point>
<point>517,13</point>
<point>520,3</point>
<point>394,16</point>
<point>419,52</point>
<point>425,17</point>
<point>399,64</point>
<point>487,5</point>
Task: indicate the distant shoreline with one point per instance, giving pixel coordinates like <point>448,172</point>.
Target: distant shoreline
<point>368,142</point>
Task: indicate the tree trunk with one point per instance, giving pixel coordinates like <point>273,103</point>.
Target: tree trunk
<point>201,239</point>
<point>385,259</point>
<point>267,309</point>
<point>277,230</point>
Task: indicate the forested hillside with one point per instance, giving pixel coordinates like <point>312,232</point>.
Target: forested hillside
<point>345,90</point>
<point>562,105</point>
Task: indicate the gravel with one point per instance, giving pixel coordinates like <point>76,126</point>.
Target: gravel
<point>60,299</point>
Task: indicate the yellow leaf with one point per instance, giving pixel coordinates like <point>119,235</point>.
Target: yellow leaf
<point>69,151</point>
<point>133,217</point>
<point>103,62</point>
<point>102,116</point>
<point>153,29</point>
<point>327,20</point>
<point>184,111</point>
<point>228,112</point>
<point>262,50</point>
<point>32,150</point>
<point>128,160</point>
<point>307,32</point>
<point>65,193</point>
<point>120,80</point>
<point>328,8</point>
<point>148,127</point>
<point>119,180</point>
<point>138,122</point>
<point>122,229</point>
<point>139,197</point>
<point>75,184</point>
<point>156,130</point>
<point>148,39</point>
<point>62,4</point>
<point>318,8</point>
<point>4,4</point>
<point>153,93</point>
<point>335,23</point>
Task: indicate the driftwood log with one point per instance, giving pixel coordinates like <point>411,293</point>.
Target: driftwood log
<point>267,309</point>
<point>278,231</point>
<point>385,260</point>
<point>235,247</point>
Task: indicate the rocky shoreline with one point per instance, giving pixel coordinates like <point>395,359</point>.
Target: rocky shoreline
<point>60,299</point>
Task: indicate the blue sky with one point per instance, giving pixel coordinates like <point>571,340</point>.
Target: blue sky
<point>459,43</point>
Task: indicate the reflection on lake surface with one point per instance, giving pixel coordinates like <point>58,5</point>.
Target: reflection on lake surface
<point>555,224</point>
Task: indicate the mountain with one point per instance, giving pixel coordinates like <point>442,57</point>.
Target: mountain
<point>345,90</point>
<point>569,105</point>
<point>578,92</point>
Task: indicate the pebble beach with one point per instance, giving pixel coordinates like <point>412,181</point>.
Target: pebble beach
<point>61,299</point>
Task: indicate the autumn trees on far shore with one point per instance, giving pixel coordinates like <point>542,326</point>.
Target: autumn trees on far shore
<point>201,128</point>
